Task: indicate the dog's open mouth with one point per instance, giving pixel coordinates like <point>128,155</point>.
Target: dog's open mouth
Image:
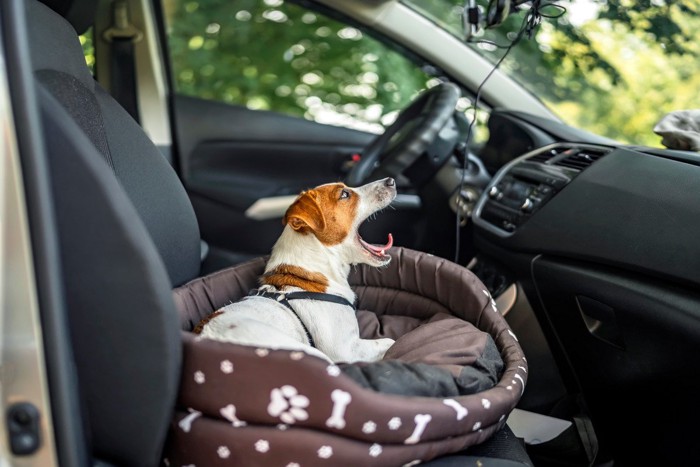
<point>378,251</point>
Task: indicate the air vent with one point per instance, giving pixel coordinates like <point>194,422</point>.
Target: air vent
<point>542,157</point>
<point>579,159</point>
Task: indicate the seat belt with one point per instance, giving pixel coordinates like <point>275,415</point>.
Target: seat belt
<point>122,35</point>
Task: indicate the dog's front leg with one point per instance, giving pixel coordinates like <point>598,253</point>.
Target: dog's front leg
<point>371,350</point>
<point>337,334</point>
<point>352,348</point>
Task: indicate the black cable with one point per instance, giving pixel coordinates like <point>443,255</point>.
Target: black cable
<point>532,19</point>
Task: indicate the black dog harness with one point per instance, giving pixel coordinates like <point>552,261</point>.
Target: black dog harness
<point>284,298</point>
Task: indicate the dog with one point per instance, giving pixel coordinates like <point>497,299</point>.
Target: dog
<point>304,301</point>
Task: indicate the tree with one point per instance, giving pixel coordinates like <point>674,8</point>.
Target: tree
<point>282,56</point>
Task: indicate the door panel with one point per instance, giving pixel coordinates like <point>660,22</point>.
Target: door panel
<point>631,340</point>
<point>239,173</point>
<point>231,156</point>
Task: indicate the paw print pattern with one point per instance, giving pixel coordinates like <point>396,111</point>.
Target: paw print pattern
<point>394,423</point>
<point>369,427</point>
<point>325,452</point>
<point>226,367</point>
<point>223,452</point>
<point>333,370</point>
<point>287,404</point>
<point>375,450</point>
<point>486,403</point>
<point>262,446</point>
<point>199,377</point>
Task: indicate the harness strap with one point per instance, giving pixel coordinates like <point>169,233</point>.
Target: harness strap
<point>324,297</point>
<point>284,298</point>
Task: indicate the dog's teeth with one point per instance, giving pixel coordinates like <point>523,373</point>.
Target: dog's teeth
<point>382,252</point>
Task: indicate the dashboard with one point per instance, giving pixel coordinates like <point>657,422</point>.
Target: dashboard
<point>587,199</point>
<point>527,183</point>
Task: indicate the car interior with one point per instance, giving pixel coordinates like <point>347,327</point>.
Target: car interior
<point>133,188</point>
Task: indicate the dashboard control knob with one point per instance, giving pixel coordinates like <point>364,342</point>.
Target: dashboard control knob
<point>527,206</point>
<point>494,192</point>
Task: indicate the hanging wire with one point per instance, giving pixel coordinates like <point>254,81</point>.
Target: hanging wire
<point>532,19</point>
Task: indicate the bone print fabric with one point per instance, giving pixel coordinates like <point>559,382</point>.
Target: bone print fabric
<point>245,406</point>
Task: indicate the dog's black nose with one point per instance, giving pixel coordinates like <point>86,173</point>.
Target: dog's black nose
<point>389,181</point>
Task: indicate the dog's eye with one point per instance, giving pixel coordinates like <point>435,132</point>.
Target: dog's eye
<point>344,194</point>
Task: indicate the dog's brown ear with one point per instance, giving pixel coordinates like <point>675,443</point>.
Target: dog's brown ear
<point>305,212</point>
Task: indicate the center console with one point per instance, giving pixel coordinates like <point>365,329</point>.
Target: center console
<point>527,183</point>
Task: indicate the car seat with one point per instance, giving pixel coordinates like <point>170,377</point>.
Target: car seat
<point>128,235</point>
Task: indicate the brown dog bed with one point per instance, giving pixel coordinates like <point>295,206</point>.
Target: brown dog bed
<point>454,374</point>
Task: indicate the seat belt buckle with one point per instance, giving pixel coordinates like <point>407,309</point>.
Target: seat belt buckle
<point>121,28</point>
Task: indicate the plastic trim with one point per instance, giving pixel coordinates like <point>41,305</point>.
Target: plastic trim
<point>476,215</point>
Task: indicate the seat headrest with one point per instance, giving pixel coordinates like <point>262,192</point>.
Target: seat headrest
<point>79,13</point>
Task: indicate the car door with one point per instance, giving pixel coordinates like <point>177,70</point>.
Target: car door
<point>271,98</point>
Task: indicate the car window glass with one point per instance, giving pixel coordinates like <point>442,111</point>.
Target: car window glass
<point>88,49</point>
<point>612,68</point>
<point>276,55</point>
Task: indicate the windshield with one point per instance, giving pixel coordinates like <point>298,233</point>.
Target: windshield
<point>612,68</point>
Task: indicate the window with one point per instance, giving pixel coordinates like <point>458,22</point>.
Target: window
<point>612,68</point>
<point>88,49</point>
<point>280,56</point>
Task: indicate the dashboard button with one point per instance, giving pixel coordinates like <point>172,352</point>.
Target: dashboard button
<point>508,226</point>
<point>496,193</point>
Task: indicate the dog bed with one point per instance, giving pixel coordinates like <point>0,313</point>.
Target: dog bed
<point>440,388</point>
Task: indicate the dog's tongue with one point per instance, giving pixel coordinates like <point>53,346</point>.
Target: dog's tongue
<point>380,249</point>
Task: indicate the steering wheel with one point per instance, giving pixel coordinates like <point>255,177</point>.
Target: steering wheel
<point>415,129</point>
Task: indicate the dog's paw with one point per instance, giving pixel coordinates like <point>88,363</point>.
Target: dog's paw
<point>385,343</point>
<point>380,348</point>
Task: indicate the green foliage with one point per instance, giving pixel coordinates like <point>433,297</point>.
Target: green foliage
<point>614,68</point>
<point>611,67</point>
<point>278,55</point>
<point>88,49</point>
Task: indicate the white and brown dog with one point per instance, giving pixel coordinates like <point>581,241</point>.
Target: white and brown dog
<point>304,301</point>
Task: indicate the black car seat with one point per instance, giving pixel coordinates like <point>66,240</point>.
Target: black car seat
<point>127,235</point>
